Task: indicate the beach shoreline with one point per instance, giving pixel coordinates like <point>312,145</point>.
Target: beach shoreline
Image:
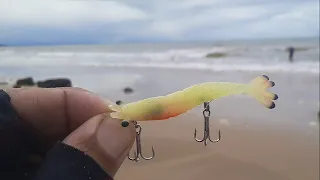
<point>298,92</point>
<point>257,143</point>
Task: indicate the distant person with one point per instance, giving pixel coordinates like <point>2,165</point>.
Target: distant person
<point>291,53</point>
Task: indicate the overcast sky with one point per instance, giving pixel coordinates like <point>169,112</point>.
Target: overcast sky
<point>102,21</point>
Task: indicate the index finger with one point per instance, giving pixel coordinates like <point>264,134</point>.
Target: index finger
<point>56,112</point>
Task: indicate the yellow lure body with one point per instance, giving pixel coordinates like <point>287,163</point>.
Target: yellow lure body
<point>174,104</point>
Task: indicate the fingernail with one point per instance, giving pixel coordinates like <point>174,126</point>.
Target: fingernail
<point>115,139</point>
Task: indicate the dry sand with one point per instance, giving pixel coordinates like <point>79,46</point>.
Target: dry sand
<point>242,154</point>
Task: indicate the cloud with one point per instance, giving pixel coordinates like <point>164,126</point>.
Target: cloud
<point>299,20</point>
<point>57,13</point>
<point>102,21</point>
<point>214,18</point>
<point>244,19</point>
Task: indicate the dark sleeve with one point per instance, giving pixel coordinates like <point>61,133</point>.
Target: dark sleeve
<point>62,162</point>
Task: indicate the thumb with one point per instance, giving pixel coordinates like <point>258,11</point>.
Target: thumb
<point>105,140</point>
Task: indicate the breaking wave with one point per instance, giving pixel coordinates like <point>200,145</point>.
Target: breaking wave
<point>235,58</point>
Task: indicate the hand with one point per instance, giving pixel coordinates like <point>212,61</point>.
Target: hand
<point>79,118</point>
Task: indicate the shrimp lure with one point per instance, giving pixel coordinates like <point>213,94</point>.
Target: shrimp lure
<point>174,104</point>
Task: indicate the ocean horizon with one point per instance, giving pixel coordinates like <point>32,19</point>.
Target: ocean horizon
<point>268,55</point>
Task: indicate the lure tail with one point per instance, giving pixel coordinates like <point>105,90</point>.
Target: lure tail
<point>258,89</point>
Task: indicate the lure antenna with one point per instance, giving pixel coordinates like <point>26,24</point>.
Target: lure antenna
<point>206,114</point>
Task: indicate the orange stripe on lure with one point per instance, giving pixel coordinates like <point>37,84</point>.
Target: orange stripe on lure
<point>174,104</point>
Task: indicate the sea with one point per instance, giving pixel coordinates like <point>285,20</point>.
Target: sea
<point>249,56</point>
<point>154,69</point>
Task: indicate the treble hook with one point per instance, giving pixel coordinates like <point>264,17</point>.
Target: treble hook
<point>138,152</point>
<point>206,114</point>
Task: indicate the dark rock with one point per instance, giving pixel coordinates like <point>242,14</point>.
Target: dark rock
<point>127,90</point>
<point>53,83</point>
<point>28,81</point>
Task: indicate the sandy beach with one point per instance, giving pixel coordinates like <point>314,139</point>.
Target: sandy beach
<point>242,153</point>
<point>257,143</point>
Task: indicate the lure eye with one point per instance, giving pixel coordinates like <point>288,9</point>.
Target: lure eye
<point>119,102</point>
<point>124,123</point>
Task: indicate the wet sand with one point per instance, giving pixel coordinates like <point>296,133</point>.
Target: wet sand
<point>242,154</point>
